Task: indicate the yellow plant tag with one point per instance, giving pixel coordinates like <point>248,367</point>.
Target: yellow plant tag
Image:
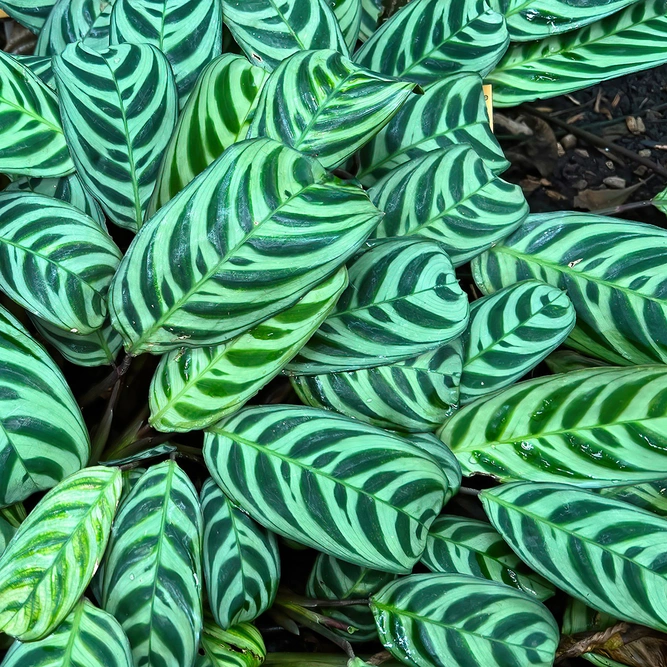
<point>3,14</point>
<point>488,97</point>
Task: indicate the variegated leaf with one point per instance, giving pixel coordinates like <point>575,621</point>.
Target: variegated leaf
<point>371,11</point>
<point>348,14</point>
<point>40,66</point>
<point>30,13</point>
<point>444,457</point>
<point>240,646</point>
<point>564,361</point>
<point>651,496</point>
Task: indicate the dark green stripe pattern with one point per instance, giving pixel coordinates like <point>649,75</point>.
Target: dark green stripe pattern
<point>564,361</point>
<point>371,10</point>
<point>188,32</point>
<point>119,109</point>
<point>7,531</point>
<point>240,646</point>
<point>32,142</point>
<point>216,115</point>
<point>427,40</point>
<point>413,395</point>
<point>451,112</point>
<point>69,21</point>
<point>651,496</point>
<point>443,456</point>
<point>98,37</point>
<point>334,579</point>
<point>153,573</point>
<point>269,33</point>
<point>468,546</point>
<point>612,270</point>
<point>633,39</point>
<point>509,333</point>
<point>591,428</point>
<point>88,637</point>
<point>40,66</point>
<point>324,105</point>
<point>342,487</point>
<point>603,552</point>
<point>55,552</point>
<point>195,387</point>
<point>30,13</point>
<point>55,261</point>
<point>262,216</point>
<point>43,437</point>
<point>440,620</point>
<point>241,560</point>
<point>403,300</point>
<point>451,196</point>
<point>348,14</point>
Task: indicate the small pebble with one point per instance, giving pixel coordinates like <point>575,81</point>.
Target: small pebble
<point>615,182</point>
<point>644,152</point>
<point>568,142</point>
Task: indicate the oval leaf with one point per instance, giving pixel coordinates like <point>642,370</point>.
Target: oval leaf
<point>60,544</point>
<point>348,14</point>
<point>403,300</point>
<point>342,487</point>
<point>240,646</point>
<point>152,574</point>
<point>292,210</point>
<point>651,496</point>
<point>30,13</point>
<point>241,560</point>
<point>456,619</point>
<point>41,66</point>
<point>443,456</point>
<point>565,361</point>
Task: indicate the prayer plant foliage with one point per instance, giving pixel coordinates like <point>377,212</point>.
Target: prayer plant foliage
<point>287,202</point>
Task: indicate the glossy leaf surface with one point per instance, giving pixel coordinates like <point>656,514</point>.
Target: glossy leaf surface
<point>348,13</point>
<point>443,456</point>
<point>30,13</point>
<point>240,646</point>
<point>651,496</point>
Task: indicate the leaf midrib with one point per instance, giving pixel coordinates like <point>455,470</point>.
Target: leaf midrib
<point>28,112</point>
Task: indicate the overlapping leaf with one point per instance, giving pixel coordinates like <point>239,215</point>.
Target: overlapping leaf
<point>263,217</point>
<point>55,552</point>
<point>55,260</point>
<point>604,552</point>
<point>334,579</point>
<point>592,428</point>
<point>462,620</point>
<point>193,388</point>
<point>99,35</point>
<point>625,42</point>
<point>612,270</point>
<point>324,105</point>
<point>443,456</point>
<point>40,66</point>
<point>30,13</point>
<point>240,646</point>
<point>119,109</point>
<point>509,333</point>
<point>450,112</point>
<point>468,546</point>
<point>528,20</point>
<point>413,395</point>
<point>651,496</point>
<point>241,560</point>
<point>152,577</point>
<point>371,10</point>
<point>7,531</point>
<point>269,33</point>
<point>348,14</point>
<point>188,32</point>
<point>564,361</point>
<point>88,637</point>
<point>32,142</point>
<point>345,488</point>
<point>403,300</point>
<point>216,115</point>
<point>451,196</point>
<point>427,40</point>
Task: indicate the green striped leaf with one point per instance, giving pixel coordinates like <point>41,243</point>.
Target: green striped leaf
<point>99,35</point>
<point>413,395</point>
<point>371,10</point>
<point>604,552</point>
<point>69,189</point>
<point>69,21</point>
<point>625,42</point>
<point>32,142</point>
<point>99,348</point>
<point>528,20</point>
<point>466,546</point>
<point>427,40</point>
<point>334,579</point>
<point>591,428</point>
<point>188,32</point>
<point>348,14</point>
<point>194,388</point>
<point>651,496</point>
<point>450,112</point>
<point>565,361</point>
<point>340,486</point>
<point>297,225</point>
<point>40,66</point>
<point>55,552</point>
<point>87,637</point>
<point>509,333</point>
<point>152,576</point>
<point>6,533</point>
<point>44,438</point>
<point>216,115</point>
<point>450,196</point>
<point>443,456</point>
<point>455,619</point>
<point>241,560</point>
<point>268,34</point>
<point>660,201</point>
<point>30,13</point>
<point>403,299</point>
<point>55,261</point>
<point>119,109</point>
<point>240,646</point>
<point>324,105</point>
<point>612,271</point>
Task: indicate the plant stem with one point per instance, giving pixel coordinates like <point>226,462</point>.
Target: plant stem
<point>104,427</point>
<point>467,491</point>
<point>109,381</point>
<point>622,208</point>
